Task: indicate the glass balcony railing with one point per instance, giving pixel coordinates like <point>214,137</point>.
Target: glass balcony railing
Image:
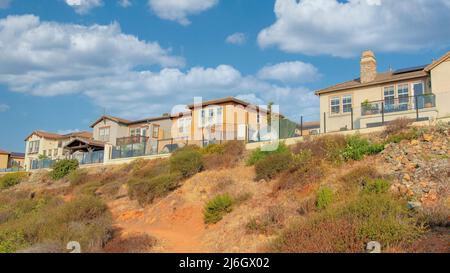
<point>398,104</point>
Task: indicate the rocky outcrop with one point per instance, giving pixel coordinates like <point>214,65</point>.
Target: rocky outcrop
<point>421,168</point>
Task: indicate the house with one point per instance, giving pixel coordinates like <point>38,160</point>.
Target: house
<point>223,119</point>
<point>10,160</point>
<point>51,146</point>
<point>132,138</point>
<point>373,99</point>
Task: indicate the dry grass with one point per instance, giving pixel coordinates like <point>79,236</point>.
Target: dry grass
<point>397,126</point>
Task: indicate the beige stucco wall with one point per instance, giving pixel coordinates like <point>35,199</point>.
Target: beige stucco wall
<point>440,81</point>
<point>359,95</point>
<point>4,161</point>
<point>44,145</point>
<point>235,121</point>
<point>115,130</point>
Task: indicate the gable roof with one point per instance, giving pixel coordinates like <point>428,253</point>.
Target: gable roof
<point>381,78</point>
<point>438,62</point>
<point>3,152</point>
<point>128,122</point>
<point>55,136</point>
<point>90,142</point>
<point>220,101</point>
<point>18,155</point>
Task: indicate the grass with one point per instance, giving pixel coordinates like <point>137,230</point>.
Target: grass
<point>216,208</point>
<point>324,198</point>
<point>272,165</point>
<point>147,190</point>
<point>268,223</point>
<point>259,154</point>
<point>28,223</point>
<point>11,179</point>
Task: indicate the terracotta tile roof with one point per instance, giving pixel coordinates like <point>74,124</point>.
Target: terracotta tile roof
<point>90,142</point>
<point>84,134</point>
<point>438,62</point>
<point>18,155</point>
<point>3,152</point>
<point>112,118</point>
<point>381,78</point>
<point>55,136</point>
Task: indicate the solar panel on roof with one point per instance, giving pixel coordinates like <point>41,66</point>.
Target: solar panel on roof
<point>410,69</point>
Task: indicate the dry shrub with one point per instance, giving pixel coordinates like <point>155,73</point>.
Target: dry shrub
<point>224,156</point>
<point>307,206</point>
<point>147,190</point>
<point>437,215</point>
<point>267,223</point>
<point>326,147</point>
<point>269,167</point>
<point>358,177</point>
<point>150,168</point>
<point>397,126</point>
<point>138,243</point>
<point>321,235</point>
<point>311,171</point>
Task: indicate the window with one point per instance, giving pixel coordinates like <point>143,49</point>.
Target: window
<point>389,95</point>
<point>335,105</point>
<point>347,103</point>
<point>219,115</point>
<point>104,134</point>
<point>183,125</point>
<point>144,132</point>
<point>258,118</point>
<point>403,94</point>
<point>55,152</point>
<point>155,131</point>
<point>33,147</point>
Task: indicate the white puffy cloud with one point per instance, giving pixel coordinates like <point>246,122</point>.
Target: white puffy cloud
<point>179,10</point>
<point>4,107</point>
<point>84,6</point>
<point>125,3</point>
<point>100,62</point>
<point>237,38</point>
<point>4,4</point>
<point>344,29</point>
<point>293,72</point>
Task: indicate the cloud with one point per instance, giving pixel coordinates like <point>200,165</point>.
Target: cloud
<point>237,39</point>
<point>124,3</point>
<point>4,107</point>
<point>331,27</point>
<point>4,4</point>
<point>84,6</point>
<point>293,72</point>
<point>179,10</point>
<point>100,62</point>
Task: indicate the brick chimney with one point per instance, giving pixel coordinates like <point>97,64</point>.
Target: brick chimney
<point>368,67</point>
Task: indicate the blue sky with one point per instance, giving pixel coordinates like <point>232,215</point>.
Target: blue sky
<point>64,62</point>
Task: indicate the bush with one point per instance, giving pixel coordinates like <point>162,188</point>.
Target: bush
<point>398,137</point>
<point>301,173</point>
<point>225,155</point>
<point>272,165</point>
<point>358,147</point>
<point>326,147</point>
<point>397,126</point>
<point>267,223</point>
<point>437,215</point>
<point>216,208</point>
<point>324,198</point>
<point>258,154</point>
<point>11,179</point>
<point>377,186</point>
<point>147,190</point>
<point>77,177</point>
<point>81,209</point>
<point>187,161</point>
<point>62,168</point>
<point>357,178</point>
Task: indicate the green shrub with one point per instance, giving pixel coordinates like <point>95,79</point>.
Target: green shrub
<point>358,147</point>
<point>377,186</point>
<point>146,190</point>
<point>11,179</point>
<point>325,147</point>
<point>216,208</point>
<point>83,208</point>
<point>187,161</point>
<point>213,149</point>
<point>62,168</point>
<point>398,137</point>
<point>272,165</point>
<point>10,242</point>
<point>77,177</point>
<point>258,154</point>
<point>324,198</point>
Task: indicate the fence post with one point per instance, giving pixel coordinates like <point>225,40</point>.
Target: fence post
<point>301,126</point>
<point>382,113</point>
<point>417,108</point>
<point>324,122</point>
<point>351,112</point>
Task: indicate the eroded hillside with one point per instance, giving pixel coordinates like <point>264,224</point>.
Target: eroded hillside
<point>329,194</point>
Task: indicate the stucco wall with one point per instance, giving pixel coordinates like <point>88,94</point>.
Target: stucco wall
<point>4,161</point>
<point>440,80</point>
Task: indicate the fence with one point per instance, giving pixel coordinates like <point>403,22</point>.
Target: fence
<point>41,164</point>
<point>143,146</point>
<point>89,157</point>
<point>13,169</point>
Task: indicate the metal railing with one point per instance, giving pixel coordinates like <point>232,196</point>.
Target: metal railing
<point>147,147</point>
<point>41,164</point>
<point>89,157</point>
<point>12,169</point>
<point>400,104</point>
<point>131,140</point>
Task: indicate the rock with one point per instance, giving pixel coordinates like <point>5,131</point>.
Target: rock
<point>414,142</point>
<point>406,177</point>
<point>414,205</point>
<point>428,137</point>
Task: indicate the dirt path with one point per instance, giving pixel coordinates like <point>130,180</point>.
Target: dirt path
<point>176,229</point>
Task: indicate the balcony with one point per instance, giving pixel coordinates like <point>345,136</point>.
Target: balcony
<point>398,105</point>
<point>131,140</point>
